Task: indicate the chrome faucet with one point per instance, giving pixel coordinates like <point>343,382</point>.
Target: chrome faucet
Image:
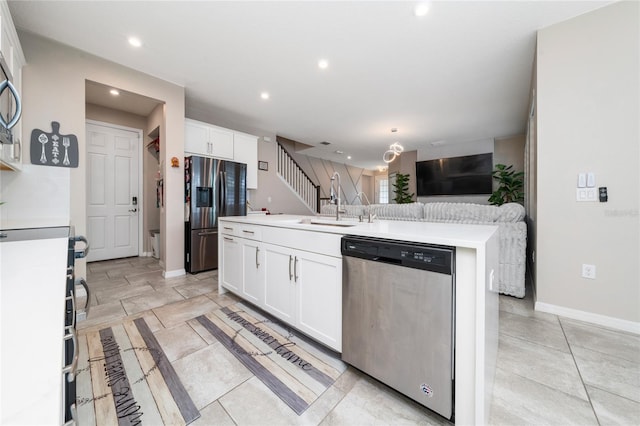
<point>370,215</point>
<point>336,198</point>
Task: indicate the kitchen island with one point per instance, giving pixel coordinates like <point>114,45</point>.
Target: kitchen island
<point>291,266</point>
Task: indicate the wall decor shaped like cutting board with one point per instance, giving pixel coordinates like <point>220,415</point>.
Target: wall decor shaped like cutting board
<point>54,149</point>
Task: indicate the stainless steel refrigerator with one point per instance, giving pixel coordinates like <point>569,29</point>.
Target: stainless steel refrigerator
<point>213,188</point>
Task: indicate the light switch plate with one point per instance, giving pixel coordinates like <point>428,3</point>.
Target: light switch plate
<point>591,180</point>
<point>587,194</point>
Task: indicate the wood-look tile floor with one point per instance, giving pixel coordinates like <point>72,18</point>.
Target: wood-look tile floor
<point>550,370</point>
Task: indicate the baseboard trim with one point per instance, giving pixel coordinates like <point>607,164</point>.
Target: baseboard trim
<point>173,274</point>
<point>606,321</point>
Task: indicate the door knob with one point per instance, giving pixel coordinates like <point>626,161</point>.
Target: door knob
<point>133,210</point>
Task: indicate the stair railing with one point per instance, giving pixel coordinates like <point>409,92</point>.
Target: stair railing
<point>291,172</point>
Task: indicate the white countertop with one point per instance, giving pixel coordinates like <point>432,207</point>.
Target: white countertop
<point>448,234</point>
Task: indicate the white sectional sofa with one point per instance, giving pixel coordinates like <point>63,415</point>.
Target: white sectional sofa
<point>509,218</point>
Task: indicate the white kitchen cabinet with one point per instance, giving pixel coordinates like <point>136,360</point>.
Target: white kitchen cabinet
<point>208,140</point>
<point>213,141</point>
<point>294,275</point>
<point>221,141</point>
<point>10,154</point>
<point>245,150</point>
<point>242,261</point>
<point>305,290</point>
<point>319,297</point>
<point>231,250</point>
<point>253,271</point>
<point>280,291</point>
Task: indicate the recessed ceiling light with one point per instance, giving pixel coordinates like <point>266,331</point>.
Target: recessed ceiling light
<point>114,92</point>
<point>264,95</point>
<point>348,157</point>
<point>323,64</point>
<point>421,9</point>
<point>135,41</point>
<point>339,152</point>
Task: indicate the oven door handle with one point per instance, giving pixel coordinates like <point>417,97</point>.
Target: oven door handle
<point>74,415</point>
<point>87,305</point>
<point>84,253</point>
<point>71,368</point>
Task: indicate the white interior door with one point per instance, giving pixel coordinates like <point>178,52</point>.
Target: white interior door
<point>112,192</point>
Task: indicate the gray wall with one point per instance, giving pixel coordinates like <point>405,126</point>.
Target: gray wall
<point>588,82</point>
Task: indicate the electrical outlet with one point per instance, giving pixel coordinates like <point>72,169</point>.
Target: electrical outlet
<point>588,271</point>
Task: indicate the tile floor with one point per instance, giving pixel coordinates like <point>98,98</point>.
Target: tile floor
<point>550,370</point>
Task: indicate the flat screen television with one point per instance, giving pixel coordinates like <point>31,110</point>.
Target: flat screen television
<point>466,175</point>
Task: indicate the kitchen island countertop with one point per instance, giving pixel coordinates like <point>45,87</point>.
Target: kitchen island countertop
<point>449,234</point>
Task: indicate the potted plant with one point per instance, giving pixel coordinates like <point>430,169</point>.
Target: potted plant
<point>510,185</point>
<point>401,187</point>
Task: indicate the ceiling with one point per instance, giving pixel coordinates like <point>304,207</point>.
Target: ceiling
<point>461,73</point>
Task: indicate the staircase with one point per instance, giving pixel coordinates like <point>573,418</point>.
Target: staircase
<point>293,175</point>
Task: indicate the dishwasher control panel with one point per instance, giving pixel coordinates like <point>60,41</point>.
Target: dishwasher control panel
<point>408,254</point>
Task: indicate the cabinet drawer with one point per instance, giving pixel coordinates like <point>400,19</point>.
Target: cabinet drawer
<point>229,228</point>
<point>314,242</point>
<point>251,232</point>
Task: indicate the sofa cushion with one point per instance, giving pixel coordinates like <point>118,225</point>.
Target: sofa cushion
<point>510,212</point>
<point>462,212</point>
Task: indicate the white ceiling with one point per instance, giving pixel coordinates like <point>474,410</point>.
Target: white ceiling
<point>458,74</point>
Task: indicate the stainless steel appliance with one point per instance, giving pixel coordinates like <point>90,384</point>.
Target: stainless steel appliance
<point>71,348</point>
<point>398,317</point>
<point>10,104</point>
<point>213,188</point>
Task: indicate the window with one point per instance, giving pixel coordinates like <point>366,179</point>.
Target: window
<point>382,189</point>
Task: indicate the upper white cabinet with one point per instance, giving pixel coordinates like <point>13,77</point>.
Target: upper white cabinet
<point>245,150</point>
<point>208,140</point>
<point>11,155</point>
<point>213,141</point>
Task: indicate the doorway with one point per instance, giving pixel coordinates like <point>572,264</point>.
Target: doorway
<point>114,194</point>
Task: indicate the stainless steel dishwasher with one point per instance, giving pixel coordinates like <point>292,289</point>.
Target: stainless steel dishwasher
<point>398,317</point>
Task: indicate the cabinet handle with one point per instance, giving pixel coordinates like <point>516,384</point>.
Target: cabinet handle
<point>295,269</point>
<point>71,368</point>
<point>290,274</point>
<point>227,239</point>
<point>227,228</point>
<point>257,262</point>
<point>248,232</point>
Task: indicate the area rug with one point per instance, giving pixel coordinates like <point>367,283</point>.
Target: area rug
<point>274,354</point>
<point>132,381</point>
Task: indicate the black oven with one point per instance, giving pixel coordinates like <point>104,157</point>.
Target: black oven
<point>71,347</point>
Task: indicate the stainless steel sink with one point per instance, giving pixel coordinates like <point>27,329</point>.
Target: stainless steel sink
<point>328,222</point>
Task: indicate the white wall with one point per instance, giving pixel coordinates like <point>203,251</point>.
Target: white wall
<point>54,90</point>
<point>588,113</point>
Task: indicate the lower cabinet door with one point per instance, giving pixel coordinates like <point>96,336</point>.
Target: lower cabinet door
<point>319,297</point>
<point>253,265</point>
<point>231,263</point>
<point>279,295</point>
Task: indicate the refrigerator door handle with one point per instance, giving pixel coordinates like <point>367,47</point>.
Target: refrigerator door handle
<point>223,182</point>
